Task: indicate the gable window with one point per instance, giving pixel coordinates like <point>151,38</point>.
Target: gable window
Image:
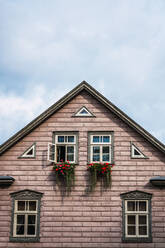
<point>100,147</point>
<point>65,148</point>
<point>25,216</point>
<point>30,152</point>
<point>83,112</point>
<point>136,153</point>
<point>136,217</point>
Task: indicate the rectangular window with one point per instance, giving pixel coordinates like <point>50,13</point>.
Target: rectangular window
<point>64,148</point>
<point>25,218</point>
<point>100,146</point>
<point>25,226</point>
<point>136,218</point>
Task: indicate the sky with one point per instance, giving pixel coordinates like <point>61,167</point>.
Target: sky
<point>48,47</point>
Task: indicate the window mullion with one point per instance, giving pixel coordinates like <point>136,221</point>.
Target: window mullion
<point>66,148</point>
<point>126,224</point>
<point>137,225</point>
<point>26,220</point>
<point>74,153</point>
<point>101,153</point>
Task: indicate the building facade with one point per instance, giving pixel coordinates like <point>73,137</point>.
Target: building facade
<point>85,129</point>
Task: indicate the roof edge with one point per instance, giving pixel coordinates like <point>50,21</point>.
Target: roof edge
<point>62,101</point>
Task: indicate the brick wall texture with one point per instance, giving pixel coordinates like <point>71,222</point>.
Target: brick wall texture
<point>83,219</point>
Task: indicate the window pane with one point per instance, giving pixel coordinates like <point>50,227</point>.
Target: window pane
<point>142,230</point>
<point>95,139</point>
<point>106,157</point>
<point>96,158</point>
<point>142,219</point>
<point>130,206</point>
<point>71,139</point>
<point>96,149</point>
<point>31,230</point>
<point>142,206</point>
<point>131,230</point>
<point>32,205</point>
<point>60,153</point>
<point>31,219</point>
<point>83,112</point>
<point>61,139</point>
<point>70,157</point>
<point>30,152</point>
<point>20,219</point>
<point>105,149</point>
<point>131,219</point>
<point>106,139</point>
<point>20,230</point>
<point>70,149</point>
<point>21,205</point>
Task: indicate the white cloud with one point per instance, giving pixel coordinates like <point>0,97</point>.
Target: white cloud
<point>117,46</point>
<point>18,110</point>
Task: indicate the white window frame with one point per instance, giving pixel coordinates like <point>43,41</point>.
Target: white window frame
<point>26,213</point>
<point>87,114</point>
<point>66,143</point>
<point>101,144</point>
<point>25,153</point>
<point>133,155</point>
<point>136,213</point>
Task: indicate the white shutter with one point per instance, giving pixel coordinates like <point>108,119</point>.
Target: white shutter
<point>51,152</point>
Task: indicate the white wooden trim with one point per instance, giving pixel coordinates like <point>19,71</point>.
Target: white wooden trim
<point>25,155</point>
<point>85,115</point>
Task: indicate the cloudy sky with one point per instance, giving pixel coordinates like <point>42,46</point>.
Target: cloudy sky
<point>48,47</point>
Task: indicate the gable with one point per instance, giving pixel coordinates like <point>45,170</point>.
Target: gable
<point>68,97</point>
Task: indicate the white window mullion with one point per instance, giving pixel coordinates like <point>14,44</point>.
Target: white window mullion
<point>137,225</point>
<point>101,153</point>
<point>25,226</point>
<point>91,154</point>
<point>66,152</point>
<point>126,224</point>
<point>74,153</point>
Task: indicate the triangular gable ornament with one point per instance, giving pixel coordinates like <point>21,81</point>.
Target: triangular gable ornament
<point>83,112</point>
<point>136,153</point>
<point>30,152</point>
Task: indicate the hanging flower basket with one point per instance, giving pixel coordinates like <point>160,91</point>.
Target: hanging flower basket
<point>102,171</point>
<point>65,176</point>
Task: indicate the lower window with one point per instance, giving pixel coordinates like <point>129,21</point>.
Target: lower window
<point>25,216</point>
<point>136,216</point>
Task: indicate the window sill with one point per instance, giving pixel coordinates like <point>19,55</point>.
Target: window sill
<point>25,239</point>
<point>137,240</point>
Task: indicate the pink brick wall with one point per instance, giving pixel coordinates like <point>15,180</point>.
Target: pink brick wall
<point>83,220</point>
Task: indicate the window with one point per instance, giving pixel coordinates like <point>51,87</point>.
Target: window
<point>64,149</point>
<point>136,217</point>
<point>100,147</point>
<point>136,153</point>
<point>25,216</point>
<point>30,152</point>
<point>83,112</point>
